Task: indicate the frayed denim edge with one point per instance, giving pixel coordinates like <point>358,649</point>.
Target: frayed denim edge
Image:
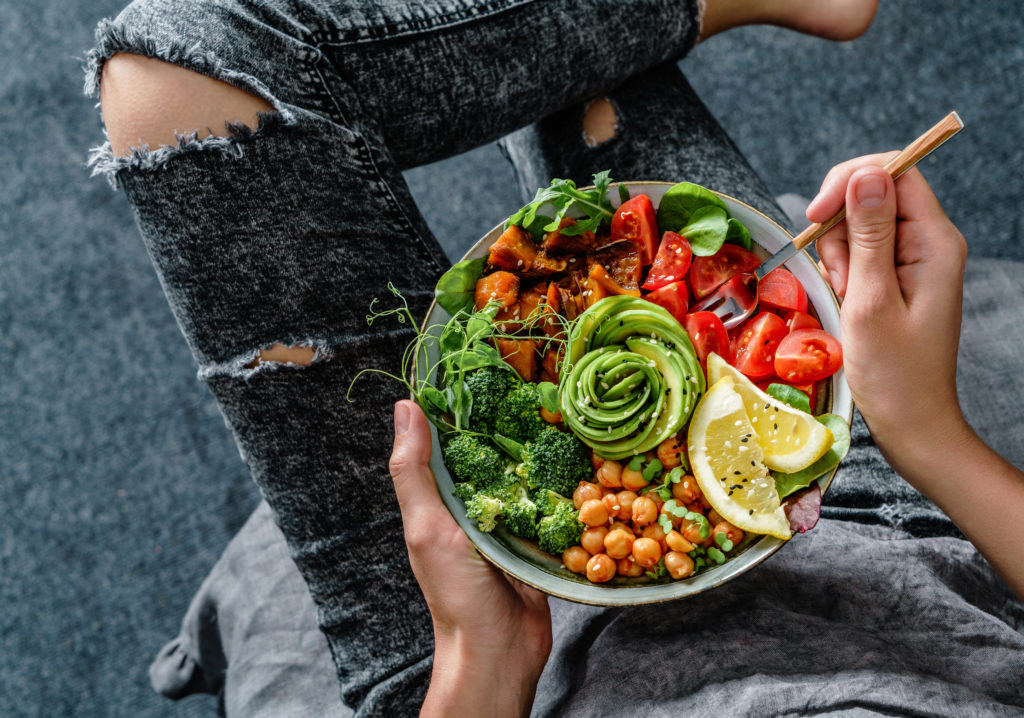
<point>105,163</point>
<point>238,367</point>
<point>113,37</point>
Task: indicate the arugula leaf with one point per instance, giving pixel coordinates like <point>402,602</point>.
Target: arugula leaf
<point>681,201</point>
<point>789,483</point>
<point>706,230</point>
<point>455,288</point>
<point>563,196</point>
<point>790,395</point>
<point>623,194</point>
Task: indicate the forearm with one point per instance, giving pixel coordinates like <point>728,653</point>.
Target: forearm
<point>468,682</point>
<point>979,490</point>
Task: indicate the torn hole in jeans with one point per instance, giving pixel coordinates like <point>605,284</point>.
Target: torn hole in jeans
<point>270,357</point>
<point>112,38</point>
<point>600,122</point>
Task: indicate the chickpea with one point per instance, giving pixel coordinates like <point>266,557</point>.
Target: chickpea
<point>731,532</point>
<point>656,532</point>
<point>676,542</point>
<point>686,491</point>
<point>628,567</point>
<point>575,559</point>
<point>625,500</point>
<point>551,417</point>
<point>593,539</point>
<point>633,480</point>
<point>645,511</point>
<point>610,474</point>
<point>621,525</point>
<point>596,460</point>
<point>678,564</point>
<point>593,512</point>
<point>619,543</point>
<point>714,517</point>
<point>611,502</point>
<point>600,568</point>
<point>669,451</point>
<point>691,532</point>
<point>676,520</point>
<point>585,491</point>
<point>646,552</point>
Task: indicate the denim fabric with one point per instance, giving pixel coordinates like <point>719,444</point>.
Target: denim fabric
<point>286,232</point>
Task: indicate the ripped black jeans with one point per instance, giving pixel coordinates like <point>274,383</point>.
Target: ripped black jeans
<point>286,232</point>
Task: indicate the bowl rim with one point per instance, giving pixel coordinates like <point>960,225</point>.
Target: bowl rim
<point>491,548</point>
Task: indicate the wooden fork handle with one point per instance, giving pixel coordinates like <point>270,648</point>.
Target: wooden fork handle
<point>910,156</point>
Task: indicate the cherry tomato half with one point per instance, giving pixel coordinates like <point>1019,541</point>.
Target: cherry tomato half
<point>636,221</point>
<point>756,345</point>
<point>708,335</point>
<point>709,273</point>
<point>808,355</point>
<point>674,297</point>
<point>782,291</point>
<point>800,320</point>
<point>671,263</point>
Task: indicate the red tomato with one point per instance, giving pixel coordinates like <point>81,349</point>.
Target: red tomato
<point>810,389</point>
<point>672,262</point>
<point>780,290</point>
<point>708,335</point>
<point>674,297</point>
<point>755,348</point>
<point>709,273</point>
<point>808,355</point>
<point>635,220</point>
<point>800,320</point>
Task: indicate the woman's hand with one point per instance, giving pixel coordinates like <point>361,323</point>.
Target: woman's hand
<point>899,263</point>
<point>492,634</point>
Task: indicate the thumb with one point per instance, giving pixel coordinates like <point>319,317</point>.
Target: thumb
<point>410,459</point>
<point>871,231</point>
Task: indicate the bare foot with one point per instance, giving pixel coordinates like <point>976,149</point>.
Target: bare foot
<point>829,19</point>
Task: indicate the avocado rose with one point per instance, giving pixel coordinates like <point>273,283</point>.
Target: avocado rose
<point>631,377</point>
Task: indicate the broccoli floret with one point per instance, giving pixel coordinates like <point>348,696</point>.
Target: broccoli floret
<point>561,529</point>
<point>555,461</point>
<point>488,387</point>
<point>470,459</point>
<point>485,510</point>
<point>518,415</point>
<point>521,518</point>
<point>464,491</point>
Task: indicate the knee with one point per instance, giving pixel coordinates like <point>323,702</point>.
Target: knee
<point>146,101</point>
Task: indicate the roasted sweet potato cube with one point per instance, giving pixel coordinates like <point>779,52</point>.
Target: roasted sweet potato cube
<point>598,276</point>
<point>622,260</point>
<point>500,286</point>
<point>549,366</point>
<point>520,355</point>
<point>514,251</point>
<point>558,243</point>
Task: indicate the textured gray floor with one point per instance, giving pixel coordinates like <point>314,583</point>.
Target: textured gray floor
<point>120,484</point>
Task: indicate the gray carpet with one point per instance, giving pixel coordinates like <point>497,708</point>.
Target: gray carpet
<point>119,482</point>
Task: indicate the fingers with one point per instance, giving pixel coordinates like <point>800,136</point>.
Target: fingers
<point>832,194</point>
<point>871,234</point>
<point>410,463</point>
<point>835,257</point>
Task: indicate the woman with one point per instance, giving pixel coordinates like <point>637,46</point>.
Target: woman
<point>272,236</point>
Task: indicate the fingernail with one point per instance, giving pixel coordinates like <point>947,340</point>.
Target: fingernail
<point>833,278</point>
<point>870,191</point>
<point>402,417</point>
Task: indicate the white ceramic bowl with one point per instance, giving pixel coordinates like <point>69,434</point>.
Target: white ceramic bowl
<point>524,561</point>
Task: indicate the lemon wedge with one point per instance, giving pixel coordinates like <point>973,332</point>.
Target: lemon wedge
<point>791,439</point>
<point>729,465</point>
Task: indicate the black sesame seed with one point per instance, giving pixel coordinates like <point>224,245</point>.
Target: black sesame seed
<point>776,426</point>
<point>743,440</point>
<point>751,512</point>
<point>736,473</point>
